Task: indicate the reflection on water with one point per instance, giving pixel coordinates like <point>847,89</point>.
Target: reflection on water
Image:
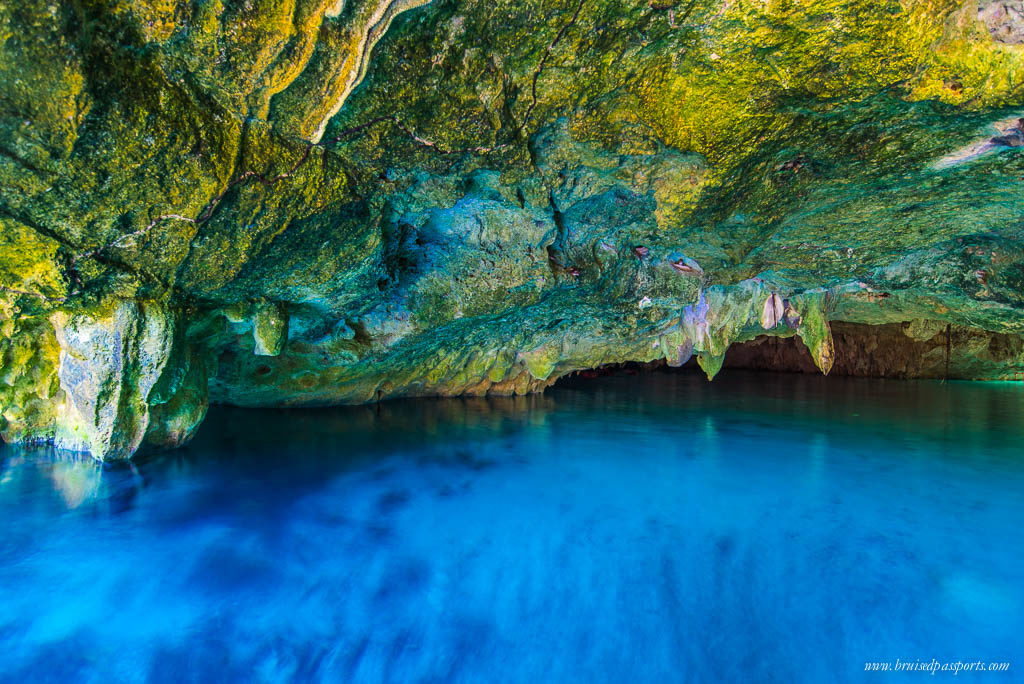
<point>760,528</point>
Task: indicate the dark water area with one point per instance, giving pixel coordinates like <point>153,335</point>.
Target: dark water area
<point>761,528</point>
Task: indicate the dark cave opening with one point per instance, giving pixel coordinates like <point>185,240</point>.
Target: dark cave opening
<point>903,350</point>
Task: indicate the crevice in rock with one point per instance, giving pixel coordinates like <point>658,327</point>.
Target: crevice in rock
<point>543,62</point>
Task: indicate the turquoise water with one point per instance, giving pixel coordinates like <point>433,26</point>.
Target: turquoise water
<point>644,529</point>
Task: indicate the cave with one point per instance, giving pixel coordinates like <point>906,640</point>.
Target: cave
<point>521,340</point>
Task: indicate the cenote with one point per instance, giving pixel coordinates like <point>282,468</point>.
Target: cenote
<point>370,341</point>
<point>765,527</point>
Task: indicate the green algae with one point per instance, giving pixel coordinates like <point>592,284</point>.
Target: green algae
<point>29,388</point>
<point>503,200</point>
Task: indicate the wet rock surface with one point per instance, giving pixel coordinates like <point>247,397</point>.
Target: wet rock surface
<point>345,202</point>
<point>1004,19</point>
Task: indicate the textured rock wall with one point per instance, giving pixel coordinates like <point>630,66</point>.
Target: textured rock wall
<point>317,202</point>
<point>114,377</point>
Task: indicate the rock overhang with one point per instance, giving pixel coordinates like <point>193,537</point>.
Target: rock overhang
<point>326,203</point>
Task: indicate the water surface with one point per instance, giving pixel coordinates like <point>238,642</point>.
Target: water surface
<point>654,528</point>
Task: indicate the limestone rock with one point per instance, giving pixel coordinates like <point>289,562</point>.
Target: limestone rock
<point>125,375</point>
<point>177,411</point>
<point>269,328</point>
<point>1004,19</point>
<point>771,313</point>
<point>29,386</point>
<point>710,364</point>
<point>110,360</point>
<point>816,334</point>
<point>320,202</point>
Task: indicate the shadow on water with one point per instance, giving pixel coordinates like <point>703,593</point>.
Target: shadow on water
<point>765,527</point>
<point>956,418</point>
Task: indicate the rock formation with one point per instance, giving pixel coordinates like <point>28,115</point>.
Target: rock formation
<point>313,202</point>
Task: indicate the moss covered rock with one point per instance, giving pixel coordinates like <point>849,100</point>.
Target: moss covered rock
<point>317,202</point>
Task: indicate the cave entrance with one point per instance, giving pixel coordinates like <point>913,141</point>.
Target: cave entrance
<point>891,350</point>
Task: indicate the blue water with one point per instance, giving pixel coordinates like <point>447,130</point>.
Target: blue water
<point>643,529</point>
